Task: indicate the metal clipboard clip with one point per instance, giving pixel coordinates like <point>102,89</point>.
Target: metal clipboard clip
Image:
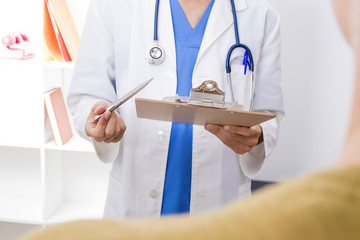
<point>207,94</point>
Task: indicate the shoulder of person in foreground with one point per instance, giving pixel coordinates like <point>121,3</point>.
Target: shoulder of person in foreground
<point>321,206</point>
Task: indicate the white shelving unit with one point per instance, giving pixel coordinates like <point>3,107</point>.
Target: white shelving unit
<point>41,183</point>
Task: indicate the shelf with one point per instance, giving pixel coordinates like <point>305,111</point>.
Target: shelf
<point>76,144</point>
<point>20,185</point>
<point>14,142</point>
<point>20,211</point>
<point>69,211</point>
<point>5,62</point>
<point>22,221</point>
<point>59,65</point>
<point>42,183</point>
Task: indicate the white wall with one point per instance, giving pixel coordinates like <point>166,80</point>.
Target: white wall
<point>78,11</point>
<point>317,71</point>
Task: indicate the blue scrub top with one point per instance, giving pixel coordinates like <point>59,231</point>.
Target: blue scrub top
<point>177,187</point>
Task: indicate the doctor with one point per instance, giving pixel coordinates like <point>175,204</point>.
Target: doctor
<point>164,168</point>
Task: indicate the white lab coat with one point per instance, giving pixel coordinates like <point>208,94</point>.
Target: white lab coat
<point>111,62</point>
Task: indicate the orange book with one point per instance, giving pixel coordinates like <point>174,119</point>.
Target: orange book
<point>54,30</point>
<point>50,41</point>
<point>66,27</point>
<point>58,116</point>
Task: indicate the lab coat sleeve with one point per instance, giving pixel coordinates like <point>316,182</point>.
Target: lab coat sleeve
<point>94,75</point>
<point>268,95</point>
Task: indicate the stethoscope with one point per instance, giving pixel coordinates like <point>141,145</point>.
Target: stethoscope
<point>156,55</point>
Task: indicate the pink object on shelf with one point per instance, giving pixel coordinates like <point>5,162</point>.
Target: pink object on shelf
<point>18,42</point>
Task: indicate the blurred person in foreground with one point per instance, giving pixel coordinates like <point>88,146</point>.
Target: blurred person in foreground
<point>325,205</point>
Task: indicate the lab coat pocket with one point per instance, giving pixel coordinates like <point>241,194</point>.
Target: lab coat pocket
<point>245,190</point>
<point>241,85</point>
<point>114,201</point>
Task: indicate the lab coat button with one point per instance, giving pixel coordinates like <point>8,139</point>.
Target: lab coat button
<point>154,194</point>
<point>161,134</point>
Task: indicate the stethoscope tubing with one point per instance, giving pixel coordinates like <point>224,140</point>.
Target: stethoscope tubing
<point>156,17</point>
<point>237,44</point>
<point>232,48</point>
<point>247,49</point>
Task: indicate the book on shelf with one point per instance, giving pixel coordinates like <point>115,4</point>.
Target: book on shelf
<point>61,40</point>
<point>58,116</point>
<point>48,136</point>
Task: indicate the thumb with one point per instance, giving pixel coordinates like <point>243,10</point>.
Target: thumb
<point>99,108</point>
<point>92,127</point>
<point>102,122</point>
<point>97,129</point>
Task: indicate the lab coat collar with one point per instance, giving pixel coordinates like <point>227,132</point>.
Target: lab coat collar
<point>220,20</point>
<point>239,5</point>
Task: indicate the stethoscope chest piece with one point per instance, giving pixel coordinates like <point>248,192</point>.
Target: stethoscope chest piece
<point>155,55</point>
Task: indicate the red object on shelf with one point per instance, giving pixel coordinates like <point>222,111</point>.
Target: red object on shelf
<point>60,40</point>
<point>18,42</point>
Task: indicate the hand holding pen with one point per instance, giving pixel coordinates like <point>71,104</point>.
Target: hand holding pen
<point>110,127</point>
<point>124,98</point>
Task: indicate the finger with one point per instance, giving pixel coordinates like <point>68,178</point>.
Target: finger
<point>121,132</point>
<point>244,131</point>
<point>115,128</point>
<point>116,138</point>
<point>120,129</point>
<point>92,127</point>
<point>218,131</point>
<point>248,141</point>
<point>98,112</point>
<point>230,135</point>
<point>99,130</point>
<point>111,126</point>
<point>109,140</point>
<point>214,129</point>
<point>257,130</point>
<point>238,143</point>
<point>97,109</point>
<point>222,133</point>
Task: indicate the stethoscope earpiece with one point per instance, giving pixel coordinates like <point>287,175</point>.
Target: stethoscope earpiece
<point>155,55</point>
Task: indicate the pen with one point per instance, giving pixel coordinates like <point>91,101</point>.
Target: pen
<point>246,61</point>
<point>124,98</point>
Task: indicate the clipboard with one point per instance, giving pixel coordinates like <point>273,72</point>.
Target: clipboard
<point>198,115</point>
